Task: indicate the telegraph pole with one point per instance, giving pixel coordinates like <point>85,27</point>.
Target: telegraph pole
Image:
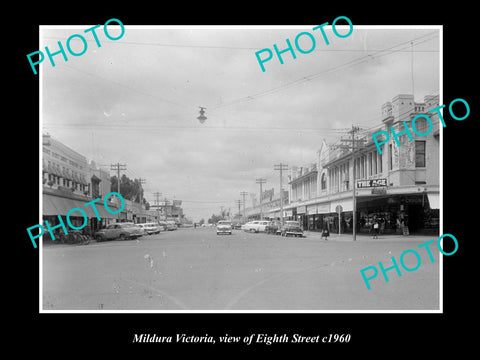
<point>354,140</point>
<point>244,193</point>
<point>281,167</point>
<point>166,202</point>
<point>118,167</point>
<point>239,202</point>
<point>157,196</point>
<point>141,182</point>
<point>261,182</point>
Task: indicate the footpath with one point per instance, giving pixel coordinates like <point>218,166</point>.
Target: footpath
<point>314,235</point>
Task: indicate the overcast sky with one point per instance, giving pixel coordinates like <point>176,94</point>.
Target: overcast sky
<point>135,101</point>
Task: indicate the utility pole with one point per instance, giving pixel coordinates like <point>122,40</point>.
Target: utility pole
<point>353,148</point>
<point>281,167</point>
<point>166,202</point>
<point>141,182</point>
<point>244,193</point>
<point>239,202</point>
<point>118,167</point>
<point>261,182</point>
<point>157,195</point>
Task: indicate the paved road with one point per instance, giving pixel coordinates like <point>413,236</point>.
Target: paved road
<point>195,269</point>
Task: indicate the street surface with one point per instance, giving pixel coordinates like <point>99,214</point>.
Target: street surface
<point>195,269</point>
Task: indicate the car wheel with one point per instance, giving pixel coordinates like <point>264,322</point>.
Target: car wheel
<point>99,238</point>
<point>122,237</point>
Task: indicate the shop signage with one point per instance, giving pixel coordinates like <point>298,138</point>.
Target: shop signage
<point>323,208</point>
<point>379,191</point>
<point>312,210</point>
<point>301,209</point>
<point>371,183</point>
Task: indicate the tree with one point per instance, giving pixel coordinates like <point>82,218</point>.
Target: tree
<point>201,222</point>
<point>215,218</point>
<point>129,189</point>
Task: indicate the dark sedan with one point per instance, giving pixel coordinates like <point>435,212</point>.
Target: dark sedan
<point>292,228</point>
<point>273,227</point>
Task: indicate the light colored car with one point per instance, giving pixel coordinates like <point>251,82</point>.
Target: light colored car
<point>119,231</point>
<point>224,227</point>
<point>162,225</point>
<point>150,228</point>
<point>171,225</point>
<point>255,226</point>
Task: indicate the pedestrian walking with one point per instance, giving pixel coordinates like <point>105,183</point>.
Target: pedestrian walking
<point>325,233</point>
<point>375,228</point>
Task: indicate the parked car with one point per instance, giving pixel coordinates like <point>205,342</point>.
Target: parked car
<point>224,227</point>
<point>255,226</point>
<point>292,228</point>
<point>236,224</point>
<point>171,225</point>
<point>162,225</point>
<point>150,228</point>
<point>119,231</point>
<point>274,227</point>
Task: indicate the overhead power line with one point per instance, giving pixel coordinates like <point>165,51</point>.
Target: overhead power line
<point>356,61</point>
<point>222,47</point>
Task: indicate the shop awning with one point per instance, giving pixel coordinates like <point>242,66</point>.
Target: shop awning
<point>434,201</point>
<point>347,205</point>
<point>57,205</point>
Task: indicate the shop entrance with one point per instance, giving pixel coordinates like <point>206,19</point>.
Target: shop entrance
<point>415,217</point>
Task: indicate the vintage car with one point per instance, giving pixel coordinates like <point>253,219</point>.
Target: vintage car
<point>292,228</point>
<point>255,226</point>
<point>119,231</point>
<point>224,227</point>
<point>150,228</point>
<point>273,227</point>
<point>171,225</point>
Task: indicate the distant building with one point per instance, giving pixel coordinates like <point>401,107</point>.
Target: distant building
<point>169,210</point>
<point>270,206</point>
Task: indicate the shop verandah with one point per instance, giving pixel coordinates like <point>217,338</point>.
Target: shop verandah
<point>396,214</point>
